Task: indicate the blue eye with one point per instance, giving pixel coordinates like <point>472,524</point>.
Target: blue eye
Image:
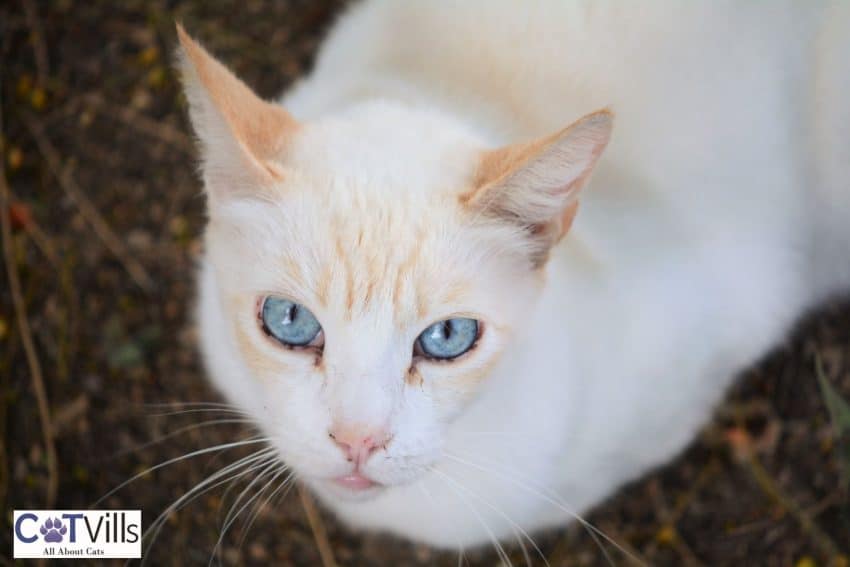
<point>448,339</point>
<point>290,323</point>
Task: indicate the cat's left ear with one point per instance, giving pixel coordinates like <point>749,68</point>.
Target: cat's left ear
<point>242,137</point>
<point>535,185</point>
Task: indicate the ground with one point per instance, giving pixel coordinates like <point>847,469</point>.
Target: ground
<point>105,216</point>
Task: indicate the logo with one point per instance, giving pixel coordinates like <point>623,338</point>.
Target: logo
<point>77,534</point>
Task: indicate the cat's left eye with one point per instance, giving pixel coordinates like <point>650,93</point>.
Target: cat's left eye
<point>448,339</point>
<point>290,323</point>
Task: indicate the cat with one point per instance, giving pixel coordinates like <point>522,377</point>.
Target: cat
<point>400,289</point>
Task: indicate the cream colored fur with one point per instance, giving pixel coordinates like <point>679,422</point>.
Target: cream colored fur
<point>719,213</point>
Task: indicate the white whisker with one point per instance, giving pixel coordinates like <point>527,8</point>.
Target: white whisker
<point>220,447</point>
<point>180,431</point>
<point>256,512</point>
<point>554,500</point>
<point>516,528</point>
<point>186,404</point>
<point>500,551</point>
<point>281,468</point>
<point>200,410</point>
<point>256,460</point>
<point>268,468</point>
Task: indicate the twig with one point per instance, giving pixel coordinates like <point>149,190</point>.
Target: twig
<point>633,555</point>
<point>40,238</point>
<point>42,64</point>
<point>99,225</point>
<point>26,337</point>
<point>45,244</point>
<point>771,488</point>
<point>670,519</point>
<point>318,527</point>
<point>159,130</point>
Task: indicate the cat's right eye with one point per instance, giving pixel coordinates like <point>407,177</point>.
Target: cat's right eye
<point>290,323</point>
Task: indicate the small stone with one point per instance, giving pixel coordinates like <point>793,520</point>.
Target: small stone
<point>139,239</point>
<point>141,99</point>
<point>157,76</point>
<point>86,118</point>
<point>38,98</point>
<point>258,552</point>
<point>179,226</point>
<point>149,55</point>
<point>20,215</point>
<point>15,158</point>
<point>231,556</point>
<point>24,86</point>
<point>666,535</point>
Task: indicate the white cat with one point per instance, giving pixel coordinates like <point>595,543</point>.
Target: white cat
<point>382,290</point>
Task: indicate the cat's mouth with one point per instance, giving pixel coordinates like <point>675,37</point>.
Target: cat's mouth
<point>355,486</point>
<point>355,482</point>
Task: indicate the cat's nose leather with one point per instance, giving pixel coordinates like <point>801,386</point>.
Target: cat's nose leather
<point>357,443</point>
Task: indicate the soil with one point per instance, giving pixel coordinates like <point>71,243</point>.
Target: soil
<point>106,213</point>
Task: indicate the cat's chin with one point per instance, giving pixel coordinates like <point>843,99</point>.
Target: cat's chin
<point>354,488</point>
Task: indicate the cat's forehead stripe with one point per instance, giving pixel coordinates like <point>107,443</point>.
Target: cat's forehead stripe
<point>366,272</point>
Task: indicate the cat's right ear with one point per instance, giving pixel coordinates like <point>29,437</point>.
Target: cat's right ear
<point>243,138</point>
<point>535,185</point>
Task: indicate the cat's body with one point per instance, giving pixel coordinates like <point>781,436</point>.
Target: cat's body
<point>718,214</point>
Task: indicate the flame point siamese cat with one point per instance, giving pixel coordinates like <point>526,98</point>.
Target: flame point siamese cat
<point>461,298</point>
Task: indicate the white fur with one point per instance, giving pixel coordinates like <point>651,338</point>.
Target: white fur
<point>719,213</point>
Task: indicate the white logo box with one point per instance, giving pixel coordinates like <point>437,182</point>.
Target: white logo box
<point>77,534</point>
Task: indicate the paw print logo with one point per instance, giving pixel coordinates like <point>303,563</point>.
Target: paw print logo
<point>53,530</point>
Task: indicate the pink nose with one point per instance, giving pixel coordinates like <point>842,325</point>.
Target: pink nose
<point>359,444</point>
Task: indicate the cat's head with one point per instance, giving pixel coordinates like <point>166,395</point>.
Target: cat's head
<point>371,267</point>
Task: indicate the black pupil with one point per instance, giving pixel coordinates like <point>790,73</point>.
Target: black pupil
<point>291,314</point>
<point>447,330</point>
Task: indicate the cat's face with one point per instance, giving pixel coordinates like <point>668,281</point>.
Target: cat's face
<point>371,267</point>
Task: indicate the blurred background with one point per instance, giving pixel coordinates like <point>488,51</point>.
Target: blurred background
<point>102,216</point>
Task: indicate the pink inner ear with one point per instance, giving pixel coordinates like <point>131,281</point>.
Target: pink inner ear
<point>567,219</point>
<point>561,162</point>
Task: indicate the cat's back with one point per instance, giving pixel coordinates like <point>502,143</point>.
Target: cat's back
<point>540,64</point>
<point>519,70</point>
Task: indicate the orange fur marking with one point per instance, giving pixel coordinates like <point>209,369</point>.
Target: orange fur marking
<point>349,276</point>
<point>246,333</point>
<point>467,383</point>
<point>414,378</point>
<point>421,303</point>
<point>323,285</point>
<point>294,270</point>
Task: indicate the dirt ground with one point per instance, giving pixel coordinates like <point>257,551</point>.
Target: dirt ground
<point>105,218</point>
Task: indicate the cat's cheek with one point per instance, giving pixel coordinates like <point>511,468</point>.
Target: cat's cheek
<point>298,426</point>
<point>453,388</point>
<point>256,359</point>
<point>453,384</point>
